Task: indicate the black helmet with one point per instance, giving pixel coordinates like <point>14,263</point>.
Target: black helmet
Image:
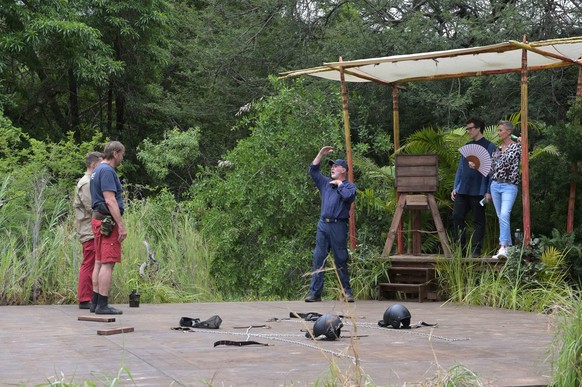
<point>329,325</point>
<point>397,316</point>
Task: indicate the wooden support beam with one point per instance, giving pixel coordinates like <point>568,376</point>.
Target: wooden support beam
<point>439,224</point>
<point>525,149</point>
<point>347,135</point>
<point>394,226</point>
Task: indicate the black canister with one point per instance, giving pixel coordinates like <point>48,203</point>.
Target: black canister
<point>134,299</point>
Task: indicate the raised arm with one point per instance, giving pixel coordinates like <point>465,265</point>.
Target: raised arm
<point>322,152</point>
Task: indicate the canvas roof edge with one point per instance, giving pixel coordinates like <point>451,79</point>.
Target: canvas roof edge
<point>533,48</point>
<point>499,47</point>
<point>537,47</point>
<point>479,73</point>
<point>295,73</point>
<point>320,69</point>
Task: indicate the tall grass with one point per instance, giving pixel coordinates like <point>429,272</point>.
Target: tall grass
<point>30,252</point>
<point>567,367</point>
<point>457,276</point>
<point>40,258</point>
<point>501,284</point>
<point>520,285</point>
<point>183,257</point>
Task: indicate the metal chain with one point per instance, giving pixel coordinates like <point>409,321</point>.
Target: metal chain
<point>408,331</point>
<point>398,331</point>
<point>275,337</point>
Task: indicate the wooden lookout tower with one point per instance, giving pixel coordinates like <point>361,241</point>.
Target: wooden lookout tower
<point>416,182</point>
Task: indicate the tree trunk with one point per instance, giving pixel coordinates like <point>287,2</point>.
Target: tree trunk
<point>120,112</point>
<point>52,102</point>
<point>109,108</point>
<point>572,198</point>
<point>74,119</point>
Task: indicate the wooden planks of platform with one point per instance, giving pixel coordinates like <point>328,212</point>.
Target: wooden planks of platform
<point>513,351</point>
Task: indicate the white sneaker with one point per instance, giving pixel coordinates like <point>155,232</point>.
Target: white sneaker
<point>502,253</point>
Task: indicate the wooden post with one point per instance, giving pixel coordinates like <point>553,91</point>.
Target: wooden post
<point>348,152</point>
<point>395,117</point>
<point>572,195</point>
<point>396,131</point>
<point>525,148</point>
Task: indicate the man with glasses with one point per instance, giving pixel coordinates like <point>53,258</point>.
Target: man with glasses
<point>469,189</point>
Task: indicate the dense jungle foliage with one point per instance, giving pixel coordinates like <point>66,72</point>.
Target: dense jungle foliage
<point>218,149</point>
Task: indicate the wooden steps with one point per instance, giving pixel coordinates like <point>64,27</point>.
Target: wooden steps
<point>418,289</point>
<point>414,281</point>
<point>412,277</point>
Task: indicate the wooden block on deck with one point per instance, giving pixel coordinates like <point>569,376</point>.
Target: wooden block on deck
<point>96,318</point>
<point>114,331</point>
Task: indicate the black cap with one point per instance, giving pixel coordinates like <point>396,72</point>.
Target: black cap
<point>341,162</point>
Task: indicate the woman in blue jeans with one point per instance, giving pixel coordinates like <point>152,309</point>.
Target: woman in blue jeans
<point>505,182</point>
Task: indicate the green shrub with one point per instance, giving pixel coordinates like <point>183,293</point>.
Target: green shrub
<point>572,252</point>
<point>259,208</point>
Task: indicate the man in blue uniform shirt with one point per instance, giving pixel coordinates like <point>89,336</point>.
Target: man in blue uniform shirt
<point>337,196</point>
<point>469,189</point>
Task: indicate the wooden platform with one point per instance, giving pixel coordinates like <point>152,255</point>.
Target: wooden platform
<point>432,258</point>
<point>42,344</point>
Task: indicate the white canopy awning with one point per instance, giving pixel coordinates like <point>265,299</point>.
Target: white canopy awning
<point>493,59</point>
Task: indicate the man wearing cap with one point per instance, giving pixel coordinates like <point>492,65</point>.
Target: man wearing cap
<point>337,196</point>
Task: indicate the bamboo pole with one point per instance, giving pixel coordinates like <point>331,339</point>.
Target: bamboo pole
<point>348,141</point>
<point>525,147</point>
<point>396,129</point>
<point>572,195</point>
<point>531,48</point>
<point>395,118</point>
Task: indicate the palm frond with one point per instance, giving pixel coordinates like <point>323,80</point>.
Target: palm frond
<point>373,170</point>
<point>434,141</point>
<point>551,150</point>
